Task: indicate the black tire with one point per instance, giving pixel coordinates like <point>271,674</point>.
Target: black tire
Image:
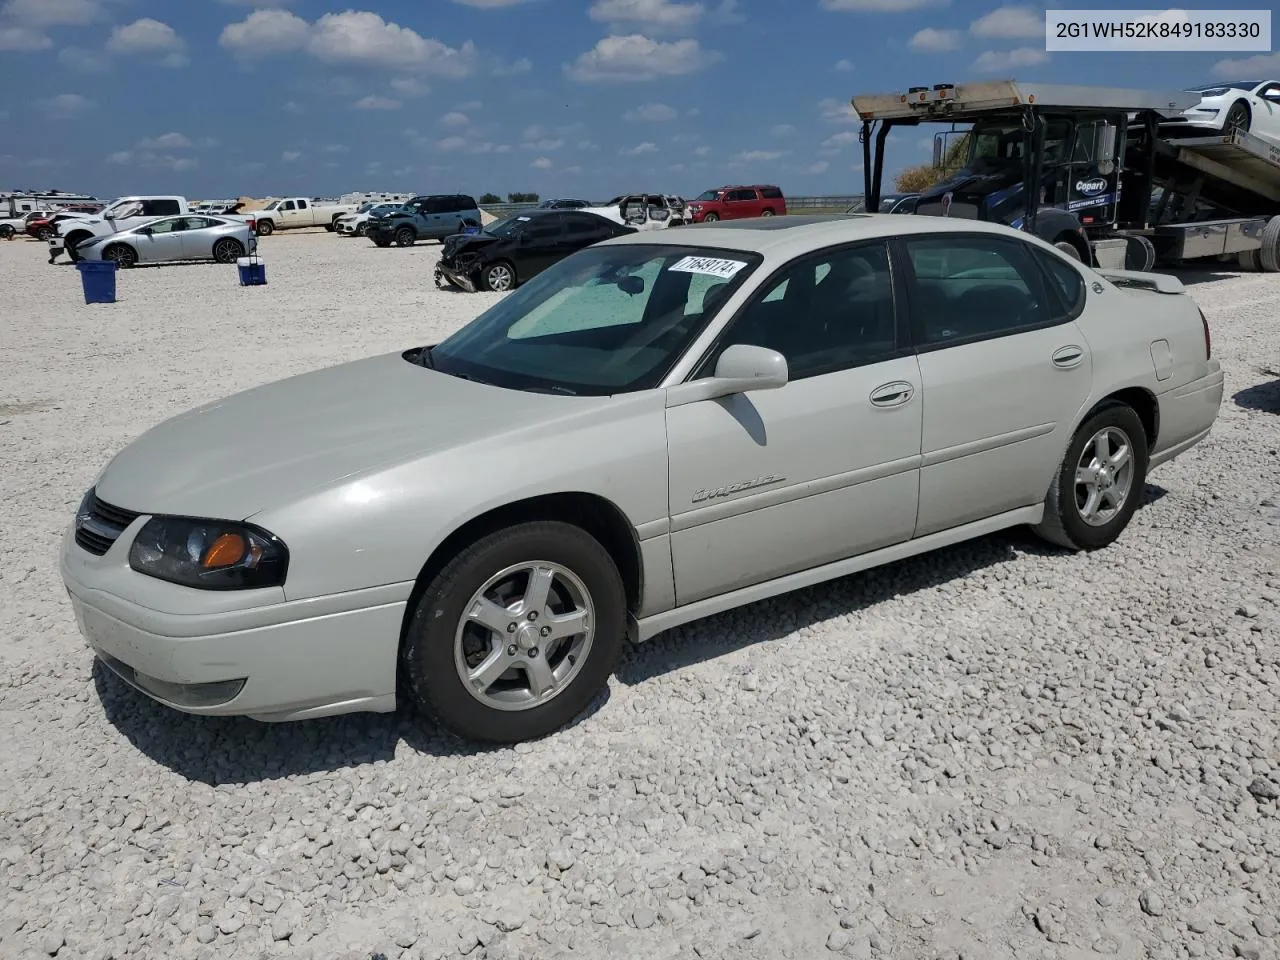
<point>1249,260</point>
<point>7,231</point>
<point>1269,252</point>
<point>46,234</point>
<point>1139,254</point>
<point>381,242</point>
<point>499,277</point>
<point>73,241</point>
<point>1063,522</point>
<point>1070,249</point>
<point>429,673</point>
<point>766,213</point>
<point>123,254</point>
<point>228,250</point>
<point>1238,118</point>
<point>266,228</point>
<point>711,218</point>
<point>405,237</point>
<point>362,229</point>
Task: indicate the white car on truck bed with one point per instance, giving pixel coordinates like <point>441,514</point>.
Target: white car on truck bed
<point>125,213</point>
<point>295,212</point>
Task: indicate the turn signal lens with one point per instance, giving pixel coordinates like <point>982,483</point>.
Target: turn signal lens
<point>228,549</point>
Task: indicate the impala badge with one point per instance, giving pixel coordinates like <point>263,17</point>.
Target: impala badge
<point>701,495</point>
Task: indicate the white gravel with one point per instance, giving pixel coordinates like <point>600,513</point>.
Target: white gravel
<point>1000,750</point>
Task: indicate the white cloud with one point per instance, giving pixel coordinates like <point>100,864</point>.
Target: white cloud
<point>266,31</point>
<point>148,37</point>
<point>120,157</point>
<point>639,149</point>
<point>23,39</point>
<point>451,144</point>
<point>291,156</point>
<point>544,145</point>
<point>755,156</point>
<point>410,87</point>
<point>782,130</point>
<point>1263,63</point>
<point>838,111</point>
<point>820,167</point>
<point>489,4</point>
<point>51,13</point>
<point>933,40</point>
<point>1009,23</point>
<point>515,68</point>
<point>64,105</point>
<point>838,141</point>
<point>993,61</point>
<point>542,163</point>
<point>651,113</point>
<point>650,14</point>
<point>844,66</point>
<point>455,118</point>
<point>585,145</point>
<point>635,57</point>
<point>880,6</point>
<point>702,152</point>
<point>337,148</point>
<point>353,38</point>
<point>292,106</point>
<point>167,141</point>
<point>373,102</point>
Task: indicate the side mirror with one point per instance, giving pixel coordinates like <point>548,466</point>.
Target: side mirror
<point>1106,148</point>
<point>741,368</point>
<point>146,231</point>
<point>937,151</point>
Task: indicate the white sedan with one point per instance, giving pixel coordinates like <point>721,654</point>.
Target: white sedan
<point>168,239</point>
<point>1251,106</point>
<point>657,428</point>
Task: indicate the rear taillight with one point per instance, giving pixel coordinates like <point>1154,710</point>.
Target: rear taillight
<point>1208,341</point>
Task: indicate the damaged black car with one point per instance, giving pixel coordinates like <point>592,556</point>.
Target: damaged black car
<point>508,252</point>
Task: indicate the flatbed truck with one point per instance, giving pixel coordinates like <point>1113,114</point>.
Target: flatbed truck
<point>1089,170</point>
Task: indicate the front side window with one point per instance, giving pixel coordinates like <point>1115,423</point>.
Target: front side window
<point>708,195</point>
<point>288,205</point>
<point>828,312</point>
<point>969,288</point>
<point>544,229</point>
<point>167,226</point>
<point>605,320</point>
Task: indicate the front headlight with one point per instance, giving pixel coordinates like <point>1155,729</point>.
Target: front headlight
<point>209,554</point>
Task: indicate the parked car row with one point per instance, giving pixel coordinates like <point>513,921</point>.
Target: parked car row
<point>221,239</point>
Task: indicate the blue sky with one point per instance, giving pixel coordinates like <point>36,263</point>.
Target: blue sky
<point>213,98</point>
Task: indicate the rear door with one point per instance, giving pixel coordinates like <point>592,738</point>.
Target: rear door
<point>1005,372</point>
<point>197,237</point>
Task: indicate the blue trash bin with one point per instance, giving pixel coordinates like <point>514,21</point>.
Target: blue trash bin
<point>253,272</point>
<point>98,277</point>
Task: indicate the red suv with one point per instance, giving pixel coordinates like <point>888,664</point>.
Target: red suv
<point>737,203</point>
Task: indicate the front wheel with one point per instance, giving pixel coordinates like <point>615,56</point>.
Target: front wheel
<point>498,277</point>
<point>266,228</point>
<point>1098,485</point>
<point>227,250</point>
<point>1237,119</point>
<point>517,634</point>
<point>7,231</point>
<point>766,213</point>
<point>362,229</point>
<point>71,243</point>
<point>46,234</point>
<point>124,256</point>
<point>381,242</point>
<point>711,218</point>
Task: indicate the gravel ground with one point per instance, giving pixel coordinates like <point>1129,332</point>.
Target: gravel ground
<point>1000,750</point>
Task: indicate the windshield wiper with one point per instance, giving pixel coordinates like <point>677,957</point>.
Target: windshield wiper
<point>555,389</point>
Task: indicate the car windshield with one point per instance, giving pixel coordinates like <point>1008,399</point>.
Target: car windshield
<point>272,205</point>
<point>858,206</point>
<point>605,320</point>
<point>708,195</point>
<point>506,227</point>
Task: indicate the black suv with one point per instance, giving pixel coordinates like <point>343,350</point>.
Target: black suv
<point>429,217</point>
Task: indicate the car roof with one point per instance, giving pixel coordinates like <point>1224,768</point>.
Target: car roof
<point>795,235</point>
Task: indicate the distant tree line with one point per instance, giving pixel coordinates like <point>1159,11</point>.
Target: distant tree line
<point>511,198</point>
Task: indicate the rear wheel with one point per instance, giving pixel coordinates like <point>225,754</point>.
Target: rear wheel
<point>124,256</point>
<point>517,634</point>
<point>266,228</point>
<point>1070,249</point>
<point>7,231</point>
<point>405,237</point>
<point>1098,485</point>
<point>227,250</point>
<point>1269,251</point>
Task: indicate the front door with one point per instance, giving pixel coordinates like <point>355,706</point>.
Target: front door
<point>162,242</point>
<point>542,243</point>
<point>1005,371</point>
<point>771,482</point>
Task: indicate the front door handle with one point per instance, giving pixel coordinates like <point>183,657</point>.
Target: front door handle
<point>1066,357</point>
<point>892,394</point>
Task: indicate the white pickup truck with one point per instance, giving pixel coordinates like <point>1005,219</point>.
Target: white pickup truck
<point>296,212</point>
<point>122,214</point>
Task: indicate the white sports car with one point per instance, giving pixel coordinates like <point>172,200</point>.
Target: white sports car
<point>1252,106</point>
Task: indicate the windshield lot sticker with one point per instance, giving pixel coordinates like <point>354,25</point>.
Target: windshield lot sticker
<point>711,266</point>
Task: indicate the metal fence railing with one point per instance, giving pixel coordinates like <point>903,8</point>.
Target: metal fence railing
<point>840,201</point>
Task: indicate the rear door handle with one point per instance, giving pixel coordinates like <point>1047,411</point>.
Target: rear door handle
<point>1067,357</point>
<point>892,394</point>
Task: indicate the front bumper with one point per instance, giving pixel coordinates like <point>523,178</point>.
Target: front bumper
<point>275,661</point>
<point>345,228</point>
<point>451,273</point>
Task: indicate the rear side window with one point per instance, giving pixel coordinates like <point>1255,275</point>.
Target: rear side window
<point>771,193</point>
<point>976,287</point>
<point>1065,281</point>
<point>161,208</point>
<point>467,203</point>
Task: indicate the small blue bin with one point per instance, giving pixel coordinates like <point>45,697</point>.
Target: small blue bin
<point>253,272</point>
<point>98,277</point>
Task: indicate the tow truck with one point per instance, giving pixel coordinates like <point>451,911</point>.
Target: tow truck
<point>1089,170</point>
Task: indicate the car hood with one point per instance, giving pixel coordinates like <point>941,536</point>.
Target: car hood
<point>253,450</point>
<point>458,243</point>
